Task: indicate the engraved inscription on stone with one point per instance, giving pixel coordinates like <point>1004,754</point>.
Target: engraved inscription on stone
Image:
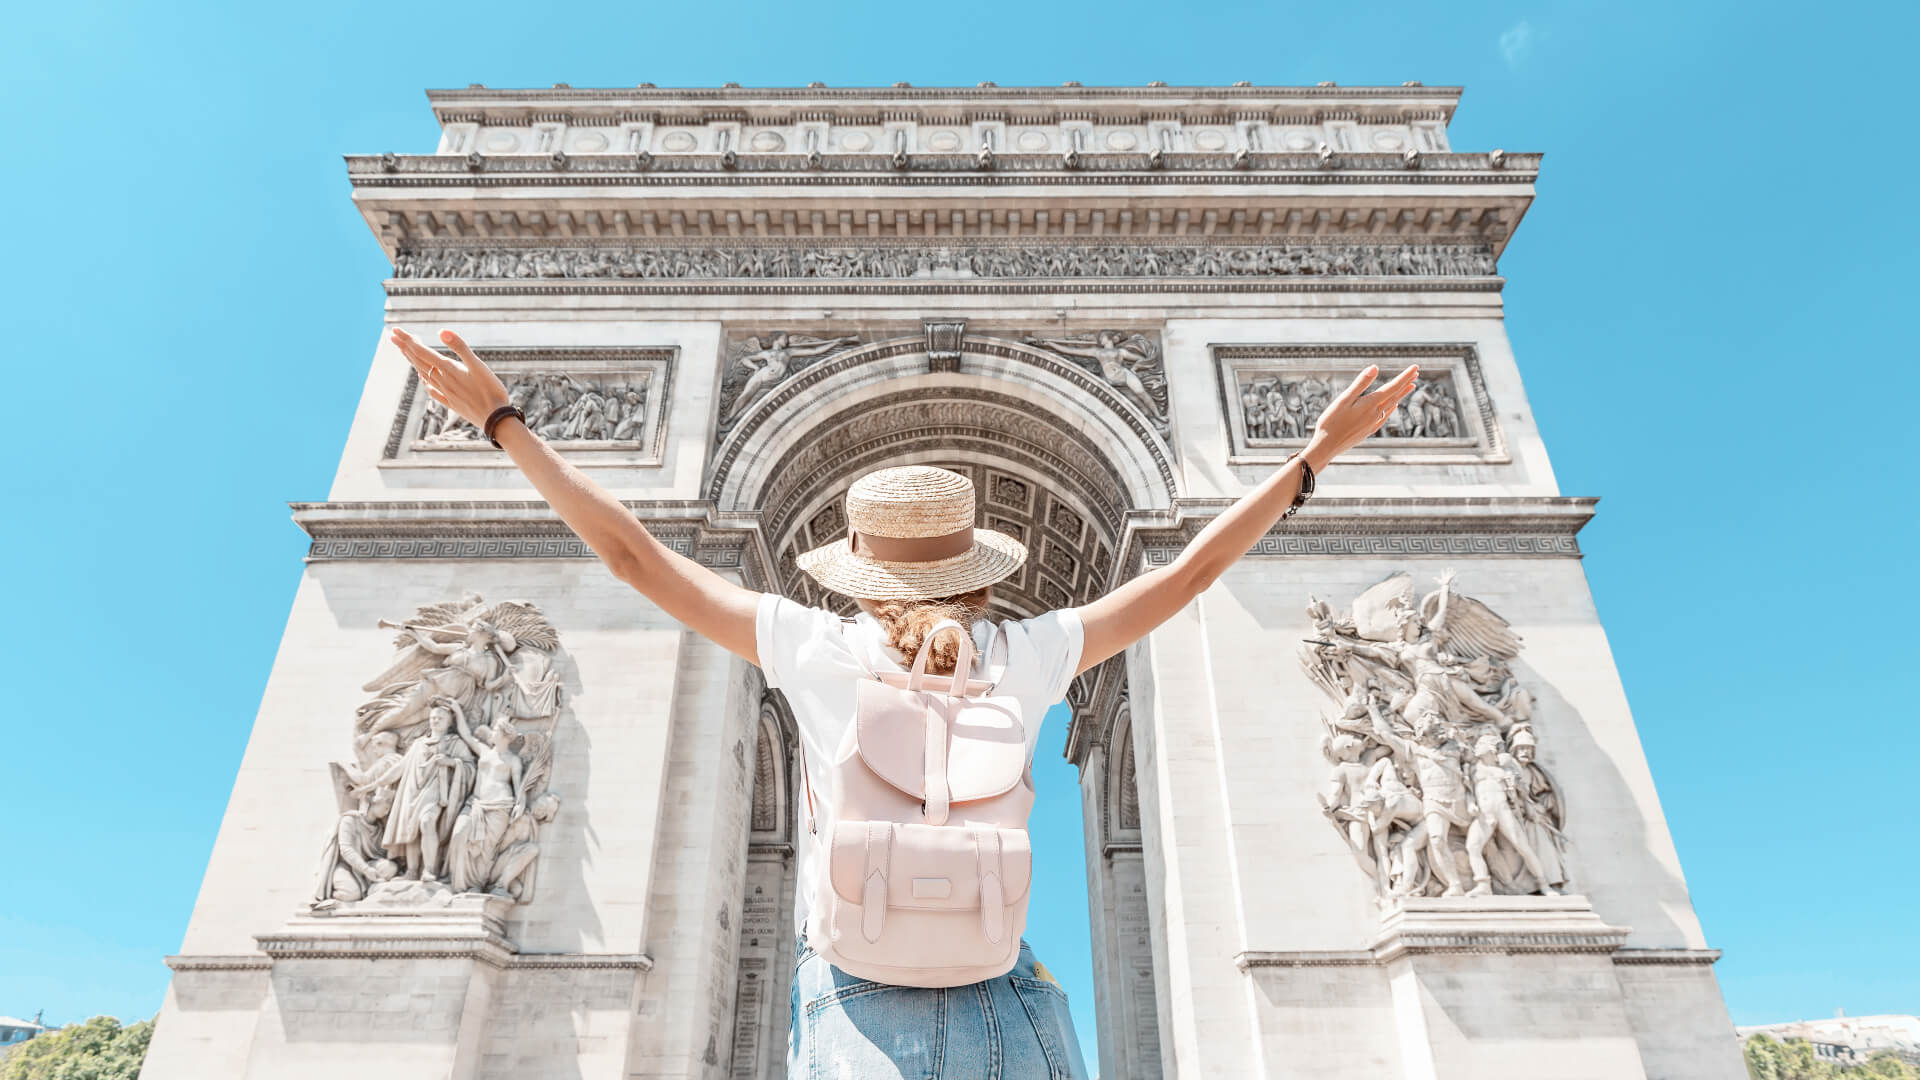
<point>963,260</point>
<point>1434,781</point>
<point>447,787</point>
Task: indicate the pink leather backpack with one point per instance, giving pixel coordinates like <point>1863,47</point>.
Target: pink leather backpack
<point>925,859</point>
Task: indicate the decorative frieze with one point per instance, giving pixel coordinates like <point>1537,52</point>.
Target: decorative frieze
<point>907,262</point>
<point>606,402</point>
<point>1273,394</point>
<point>507,530</point>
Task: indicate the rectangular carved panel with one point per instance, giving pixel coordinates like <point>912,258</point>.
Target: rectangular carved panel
<point>1272,395</point>
<point>606,403</point>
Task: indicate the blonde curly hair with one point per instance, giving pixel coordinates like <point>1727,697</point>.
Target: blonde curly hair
<point>906,623</point>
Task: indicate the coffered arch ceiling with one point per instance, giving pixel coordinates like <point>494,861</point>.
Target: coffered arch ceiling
<point>1056,459</point>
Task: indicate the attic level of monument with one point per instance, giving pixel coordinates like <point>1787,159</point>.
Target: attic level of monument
<point>1368,165</point>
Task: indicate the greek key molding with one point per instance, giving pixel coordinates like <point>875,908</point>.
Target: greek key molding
<point>782,260</point>
<point>343,531</point>
<point>1517,527</point>
<point>1344,544</point>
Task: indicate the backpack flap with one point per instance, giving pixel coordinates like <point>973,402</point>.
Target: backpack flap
<point>980,744</point>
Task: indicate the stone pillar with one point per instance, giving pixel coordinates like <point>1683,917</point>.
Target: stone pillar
<point>684,1007</point>
<point>1506,988</point>
<point>1188,857</point>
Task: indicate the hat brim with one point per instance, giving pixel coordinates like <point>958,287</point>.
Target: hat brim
<point>994,555</point>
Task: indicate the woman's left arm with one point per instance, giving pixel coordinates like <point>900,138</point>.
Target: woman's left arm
<point>705,602</point>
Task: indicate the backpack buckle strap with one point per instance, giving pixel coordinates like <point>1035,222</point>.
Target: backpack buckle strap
<point>873,895</point>
<point>939,793</point>
<point>993,899</point>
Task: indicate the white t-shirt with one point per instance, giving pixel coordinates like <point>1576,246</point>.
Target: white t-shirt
<point>809,653</point>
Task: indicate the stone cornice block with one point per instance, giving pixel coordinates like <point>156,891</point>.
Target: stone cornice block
<point>1494,924</point>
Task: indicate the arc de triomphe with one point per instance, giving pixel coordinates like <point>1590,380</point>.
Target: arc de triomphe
<point>500,818</point>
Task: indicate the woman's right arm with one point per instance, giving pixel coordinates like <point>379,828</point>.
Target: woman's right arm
<point>1125,615</point>
<point>702,600</point>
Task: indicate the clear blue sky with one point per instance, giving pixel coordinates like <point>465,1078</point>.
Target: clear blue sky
<point>1706,300</point>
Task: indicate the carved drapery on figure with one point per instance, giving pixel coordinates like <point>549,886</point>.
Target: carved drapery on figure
<point>755,368</point>
<point>905,262</point>
<point>447,787</point>
<point>1130,363</point>
<point>1435,784</point>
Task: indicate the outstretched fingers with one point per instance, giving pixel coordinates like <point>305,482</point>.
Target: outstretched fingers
<point>431,366</point>
<point>1360,383</point>
<point>460,349</point>
<point>1398,387</point>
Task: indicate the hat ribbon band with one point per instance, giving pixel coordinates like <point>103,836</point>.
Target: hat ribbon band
<point>910,548</point>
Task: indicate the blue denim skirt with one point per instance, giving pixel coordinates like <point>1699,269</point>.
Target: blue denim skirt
<point>1015,1027</point>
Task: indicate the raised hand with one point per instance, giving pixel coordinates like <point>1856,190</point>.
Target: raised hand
<point>1354,415</point>
<point>465,386</point>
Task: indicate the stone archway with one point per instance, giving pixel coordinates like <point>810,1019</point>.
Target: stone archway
<point>1059,460</point>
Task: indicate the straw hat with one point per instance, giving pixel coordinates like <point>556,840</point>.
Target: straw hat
<point>910,536</point>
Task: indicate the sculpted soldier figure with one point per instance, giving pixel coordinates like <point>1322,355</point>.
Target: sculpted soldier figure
<point>1493,793</point>
<point>436,776</point>
<point>1342,799</point>
<point>1435,758</point>
<point>1542,813</point>
<point>1253,410</point>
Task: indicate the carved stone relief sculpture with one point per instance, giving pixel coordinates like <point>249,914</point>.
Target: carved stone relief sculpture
<point>755,368</point>
<point>560,407</point>
<point>1130,363</point>
<point>899,262</point>
<point>1434,782</point>
<point>448,784</point>
<point>1276,406</point>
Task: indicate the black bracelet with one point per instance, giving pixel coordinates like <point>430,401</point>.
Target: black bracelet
<point>499,414</point>
<point>1306,486</point>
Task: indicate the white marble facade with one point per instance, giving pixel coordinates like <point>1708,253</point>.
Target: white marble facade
<point>725,304</point>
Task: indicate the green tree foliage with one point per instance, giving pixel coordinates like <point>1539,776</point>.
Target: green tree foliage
<point>99,1049</point>
<point>1795,1059</point>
